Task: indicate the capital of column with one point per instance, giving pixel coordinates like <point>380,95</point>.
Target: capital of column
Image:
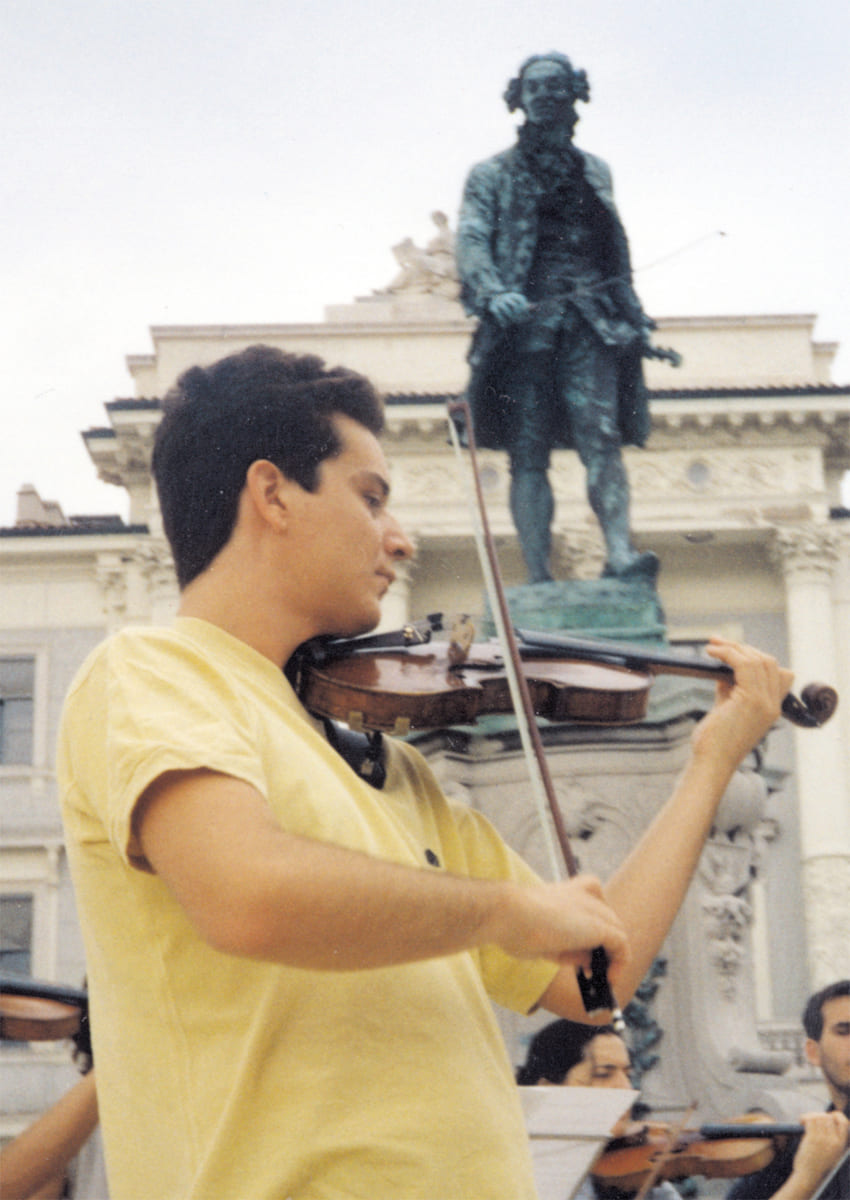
<point>805,553</point>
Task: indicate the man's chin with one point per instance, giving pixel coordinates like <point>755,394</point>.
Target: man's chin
<point>356,626</point>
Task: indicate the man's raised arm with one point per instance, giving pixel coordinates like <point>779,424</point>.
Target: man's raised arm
<point>648,888</point>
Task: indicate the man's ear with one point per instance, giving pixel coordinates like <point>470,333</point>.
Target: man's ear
<point>267,489</point>
<point>812,1051</point>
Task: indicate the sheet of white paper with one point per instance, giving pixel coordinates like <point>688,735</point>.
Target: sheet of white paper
<point>567,1128</point>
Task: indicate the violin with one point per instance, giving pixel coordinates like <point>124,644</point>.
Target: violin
<point>398,683</point>
<point>714,1151</point>
<point>32,1011</point>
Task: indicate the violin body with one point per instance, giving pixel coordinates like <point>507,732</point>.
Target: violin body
<point>715,1152</point>
<point>420,687</point>
<point>31,1011</point>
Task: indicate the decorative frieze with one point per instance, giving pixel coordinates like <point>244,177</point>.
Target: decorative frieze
<point>740,472</point>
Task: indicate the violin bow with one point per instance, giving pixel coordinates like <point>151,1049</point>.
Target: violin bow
<point>662,1159</point>
<point>595,989</point>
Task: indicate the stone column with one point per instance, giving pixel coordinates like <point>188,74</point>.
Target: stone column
<point>808,556</point>
<point>841,597</point>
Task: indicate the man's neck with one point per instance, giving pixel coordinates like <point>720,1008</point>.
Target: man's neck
<point>244,610</point>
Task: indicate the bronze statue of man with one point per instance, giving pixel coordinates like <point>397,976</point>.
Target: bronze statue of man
<point>556,360</point>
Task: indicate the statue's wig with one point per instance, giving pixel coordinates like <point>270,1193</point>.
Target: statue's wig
<point>577,80</point>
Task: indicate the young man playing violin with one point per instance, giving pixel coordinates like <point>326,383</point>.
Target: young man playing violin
<point>290,971</point>
<point>803,1171</point>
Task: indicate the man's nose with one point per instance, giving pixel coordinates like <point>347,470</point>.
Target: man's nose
<point>398,543</point>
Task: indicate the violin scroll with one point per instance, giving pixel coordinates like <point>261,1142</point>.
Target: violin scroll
<point>816,704</point>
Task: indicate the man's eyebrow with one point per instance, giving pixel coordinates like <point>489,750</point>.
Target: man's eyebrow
<point>378,481</point>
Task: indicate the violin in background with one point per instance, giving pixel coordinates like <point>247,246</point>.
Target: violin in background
<point>34,1011</point>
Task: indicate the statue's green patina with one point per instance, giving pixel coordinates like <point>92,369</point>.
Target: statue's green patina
<point>556,360</point>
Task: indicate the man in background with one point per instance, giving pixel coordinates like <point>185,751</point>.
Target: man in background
<point>800,1169</point>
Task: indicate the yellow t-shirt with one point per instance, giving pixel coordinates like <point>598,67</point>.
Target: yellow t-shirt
<point>222,1078</point>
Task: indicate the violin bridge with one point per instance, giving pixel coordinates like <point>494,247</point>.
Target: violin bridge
<point>461,639</point>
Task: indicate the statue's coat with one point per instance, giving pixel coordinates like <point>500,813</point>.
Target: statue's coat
<point>496,240</point>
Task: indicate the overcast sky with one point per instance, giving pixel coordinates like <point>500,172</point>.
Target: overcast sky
<point>233,161</point>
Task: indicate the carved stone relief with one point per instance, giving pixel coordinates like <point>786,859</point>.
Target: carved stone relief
<point>429,269</point>
<point>111,575</point>
<point>729,862</point>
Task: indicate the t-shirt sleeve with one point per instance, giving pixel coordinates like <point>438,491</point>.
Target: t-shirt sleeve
<point>146,707</point>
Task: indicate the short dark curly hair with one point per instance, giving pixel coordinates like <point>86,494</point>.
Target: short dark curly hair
<point>578,80</point>
<point>217,420</point>
<point>813,1012</point>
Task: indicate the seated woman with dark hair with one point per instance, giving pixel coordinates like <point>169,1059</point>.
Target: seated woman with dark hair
<point>567,1054</point>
